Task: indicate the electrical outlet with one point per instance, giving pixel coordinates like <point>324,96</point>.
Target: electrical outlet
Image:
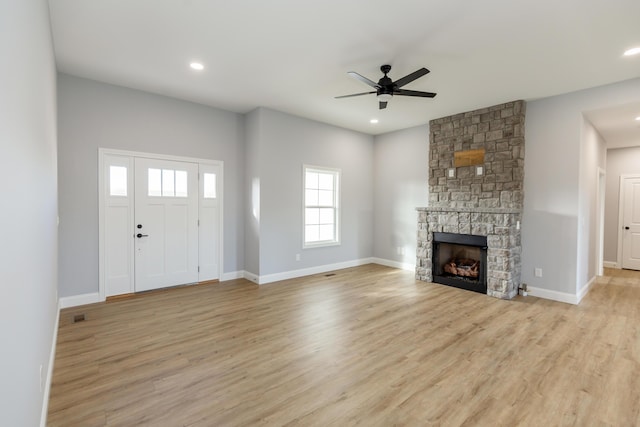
<point>538,272</point>
<point>479,170</point>
<point>451,173</point>
<point>297,257</point>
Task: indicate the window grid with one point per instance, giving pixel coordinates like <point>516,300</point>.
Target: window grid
<point>320,206</point>
<point>167,183</point>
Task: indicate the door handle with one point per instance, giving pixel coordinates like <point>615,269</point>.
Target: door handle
<point>140,235</point>
<point>626,228</point>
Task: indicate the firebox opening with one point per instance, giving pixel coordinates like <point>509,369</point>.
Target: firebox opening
<point>460,260</point>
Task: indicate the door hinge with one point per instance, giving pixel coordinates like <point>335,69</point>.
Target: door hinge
<point>198,269</point>
<point>198,223</point>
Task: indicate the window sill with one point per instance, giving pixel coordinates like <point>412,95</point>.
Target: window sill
<point>320,244</point>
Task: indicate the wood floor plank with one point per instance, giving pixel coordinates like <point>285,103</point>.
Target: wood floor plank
<point>367,346</point>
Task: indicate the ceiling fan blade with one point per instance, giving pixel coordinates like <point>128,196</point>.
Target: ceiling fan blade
<point>355,94</point>
<point>411,77</point>
<point>405,92</point>
<point>364,80</point>
<point>383,105</point>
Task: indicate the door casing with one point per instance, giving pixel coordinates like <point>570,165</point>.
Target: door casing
<point>102,152</point>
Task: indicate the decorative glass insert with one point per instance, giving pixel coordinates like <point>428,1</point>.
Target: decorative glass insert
<point>209,185</point>
<point>167,183</point>
<point>118,181</point>
<point>155,182</point>
<point>181,183</point>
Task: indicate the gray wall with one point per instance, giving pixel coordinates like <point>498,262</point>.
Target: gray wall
<point>93,115</point>
<point>552,209</point>
<point>252,192</point>
<point>287,142</point>
<point>28,254</point>
<point>619,162</point>
<point>401,175</point>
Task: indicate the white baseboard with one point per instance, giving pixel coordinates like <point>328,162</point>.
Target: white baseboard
<point>232,275</point>
<point>269,278</point>
<point>52,358</point>
<point>553,295</point>
<point>585,289</point>
<point>76,300</point>
<point>394,264</point>
<point>251,276</point>
<point>609,264</point>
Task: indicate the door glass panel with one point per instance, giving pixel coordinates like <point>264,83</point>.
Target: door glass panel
<point>209,185</point>
<point>118,181</point>
<point>181,184</point>
<point>155,182</point>
<point>168,184</point>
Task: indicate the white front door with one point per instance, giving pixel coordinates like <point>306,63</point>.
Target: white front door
<point>631,224</point>
<point>166,223</point>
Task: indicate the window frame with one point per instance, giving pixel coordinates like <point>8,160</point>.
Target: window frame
<point>336,173</point>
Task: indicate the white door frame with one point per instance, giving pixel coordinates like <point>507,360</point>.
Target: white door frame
<point>101,203</point>
<point>600,203</point>
<point>621,213</point>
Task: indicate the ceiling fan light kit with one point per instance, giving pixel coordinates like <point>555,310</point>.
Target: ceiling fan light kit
<point>386,88</point>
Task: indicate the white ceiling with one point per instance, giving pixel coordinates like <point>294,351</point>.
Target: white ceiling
<point>293,55</point>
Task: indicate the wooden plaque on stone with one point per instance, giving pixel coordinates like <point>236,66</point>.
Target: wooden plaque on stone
<point>468,158</point>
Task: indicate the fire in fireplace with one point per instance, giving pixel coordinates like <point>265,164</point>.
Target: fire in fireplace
<point>460,260</point>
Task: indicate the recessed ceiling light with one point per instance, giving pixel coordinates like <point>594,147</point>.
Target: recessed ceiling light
<point>197,66</point>
<point>373,121</point>
<point>632,51</point>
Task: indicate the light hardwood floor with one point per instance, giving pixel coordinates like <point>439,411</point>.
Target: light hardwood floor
<point>368,346</point>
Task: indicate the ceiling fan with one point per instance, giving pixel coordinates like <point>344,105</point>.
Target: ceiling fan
<point>386,88</point>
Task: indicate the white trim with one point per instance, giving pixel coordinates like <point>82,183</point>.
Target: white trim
<point>252,277</point>
<point>337,205</point>
<point>232,275</point>
<point>269,278</point>
<point>600,205</point>
<point>585,289</point>
<point>83,299</point>
<point>158,156</point>
<point>553,295</point>
<point>394,264</point>
<point>610,264</point>
<point>52,359</point>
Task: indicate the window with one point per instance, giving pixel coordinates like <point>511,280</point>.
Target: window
<point>321,213</point>
<point>167,183</point>
<point>117,181</point>
<point>209,185</point>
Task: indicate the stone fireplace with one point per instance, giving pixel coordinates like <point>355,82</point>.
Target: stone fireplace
<point>481,199</point>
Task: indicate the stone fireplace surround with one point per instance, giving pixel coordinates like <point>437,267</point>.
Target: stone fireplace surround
<point>485,205</point>
<point>500,225</point>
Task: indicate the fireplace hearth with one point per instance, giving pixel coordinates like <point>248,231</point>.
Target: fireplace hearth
<point>460,260</point>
